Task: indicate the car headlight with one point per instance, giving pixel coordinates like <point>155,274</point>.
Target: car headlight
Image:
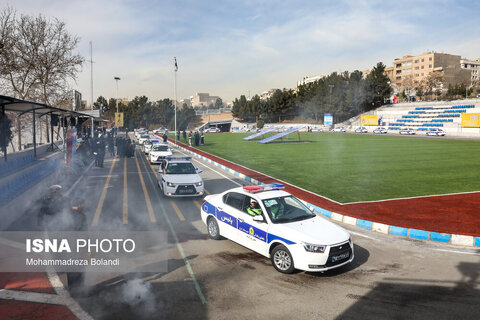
<point>314,247</point>
<point>199,184</point>
<point>170,184</point>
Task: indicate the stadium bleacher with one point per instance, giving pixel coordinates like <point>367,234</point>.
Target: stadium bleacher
<point>425,118</point>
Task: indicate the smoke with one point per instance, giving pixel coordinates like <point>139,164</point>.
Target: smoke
<point>138,295</point>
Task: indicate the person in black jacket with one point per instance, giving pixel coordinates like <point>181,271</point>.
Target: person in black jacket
<point>197,139</point>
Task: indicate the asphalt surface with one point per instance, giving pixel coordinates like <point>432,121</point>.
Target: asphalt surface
<point>390,278</point>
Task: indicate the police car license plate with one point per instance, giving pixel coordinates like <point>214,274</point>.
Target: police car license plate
<point>341,257</point>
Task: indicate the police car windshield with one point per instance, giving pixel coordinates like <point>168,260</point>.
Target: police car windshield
<point>287,209</point>
<point>160,148</point>
<point>181,168</point>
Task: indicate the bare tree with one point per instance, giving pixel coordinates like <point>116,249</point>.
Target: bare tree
<point>37,58</point>
<point>433,81</point>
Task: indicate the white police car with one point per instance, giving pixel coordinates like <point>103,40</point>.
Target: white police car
<point>380,130</point>
<point>361,130</point>
<point>407,131</point>
<point>436,132</point>
<point>177,177</point>
<point>159,152</point>
<point>287,232</point>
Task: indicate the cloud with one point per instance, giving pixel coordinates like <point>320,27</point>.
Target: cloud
<point>231,47</point>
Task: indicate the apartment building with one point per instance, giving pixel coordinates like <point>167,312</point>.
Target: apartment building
<point>474,67</point>
<point>411,70</point>
<point>202,99</point>
<point>309,79</point>
<point>267,94</point>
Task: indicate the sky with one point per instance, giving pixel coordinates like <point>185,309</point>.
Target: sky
<point>230,48</point>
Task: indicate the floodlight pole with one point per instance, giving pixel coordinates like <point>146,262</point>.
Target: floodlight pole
<point>116,100</point>
<point>91,84</point>
<point>175,99</point>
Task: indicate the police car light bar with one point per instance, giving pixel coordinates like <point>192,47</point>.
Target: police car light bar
<point>264,187</point>
<point>178,158</point>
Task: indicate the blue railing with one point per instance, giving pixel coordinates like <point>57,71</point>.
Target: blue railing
<point>20,184</point>
<point>15,164</point>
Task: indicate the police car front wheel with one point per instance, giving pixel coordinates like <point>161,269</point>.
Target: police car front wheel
<point>213,231</point>
<point>282,259</point>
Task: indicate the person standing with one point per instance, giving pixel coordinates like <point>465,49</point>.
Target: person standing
<point>197,139</point>
<point>190,138</point>
<point>184,136</point>
<point>178,135</point>
<point>202,138</point>
<point>165,138</point>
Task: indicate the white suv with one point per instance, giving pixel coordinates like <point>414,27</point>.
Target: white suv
<point>277,225</point>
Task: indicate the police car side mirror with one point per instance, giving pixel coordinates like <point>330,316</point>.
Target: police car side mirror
<point>258,218</point>
<point>198,170</point>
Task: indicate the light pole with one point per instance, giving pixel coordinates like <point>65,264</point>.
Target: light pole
<point>116,99</point>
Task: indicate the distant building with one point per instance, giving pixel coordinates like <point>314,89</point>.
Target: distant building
<point>411,70</point>
<point>202,99</point>
<point>309,79</point>
<point>188,102</point>
<point>365,73</point>
<point>474,67</point>
<point>123,101</point>
<point>267,94</point>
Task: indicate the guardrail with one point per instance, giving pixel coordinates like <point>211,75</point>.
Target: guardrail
<point>17,163</point>
<point>20,184</point>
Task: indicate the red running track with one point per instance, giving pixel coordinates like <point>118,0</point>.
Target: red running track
<point>454,214</point>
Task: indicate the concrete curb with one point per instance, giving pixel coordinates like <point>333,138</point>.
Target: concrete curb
<point>409,233</point>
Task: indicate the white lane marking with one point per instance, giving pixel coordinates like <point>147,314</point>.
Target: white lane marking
<point>174,234</point>
<point>362,235</point>
<point>13,244</point>
<point>29,296</point>
<point>79,179</point>
<point>415,197</point>
<point>221,174</point>
<point>68,301</point>
<point>456,251</point>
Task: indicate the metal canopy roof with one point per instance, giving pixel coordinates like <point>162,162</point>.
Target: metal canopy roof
<point>22,107</point>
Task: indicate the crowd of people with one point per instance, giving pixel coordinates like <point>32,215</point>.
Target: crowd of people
<point>194,139</point>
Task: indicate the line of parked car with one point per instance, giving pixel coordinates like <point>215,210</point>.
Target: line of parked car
<point>403,131</point>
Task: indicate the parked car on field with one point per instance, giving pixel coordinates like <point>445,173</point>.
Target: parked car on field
<point>275,224</point>
<point>407,131</point>
<point>361,130</point>
<point>380,130</point>
<point>316,129</point>
<point>212,129</point>
<point>436,132</point>
<point>339,129</point>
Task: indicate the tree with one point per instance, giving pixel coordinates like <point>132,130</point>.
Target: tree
<point>433,81</point>
<point>37,58</point>
<point>378,86</point>
<point>218,103</point>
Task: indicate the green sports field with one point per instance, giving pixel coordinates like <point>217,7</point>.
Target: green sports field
<point>356,167</point>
